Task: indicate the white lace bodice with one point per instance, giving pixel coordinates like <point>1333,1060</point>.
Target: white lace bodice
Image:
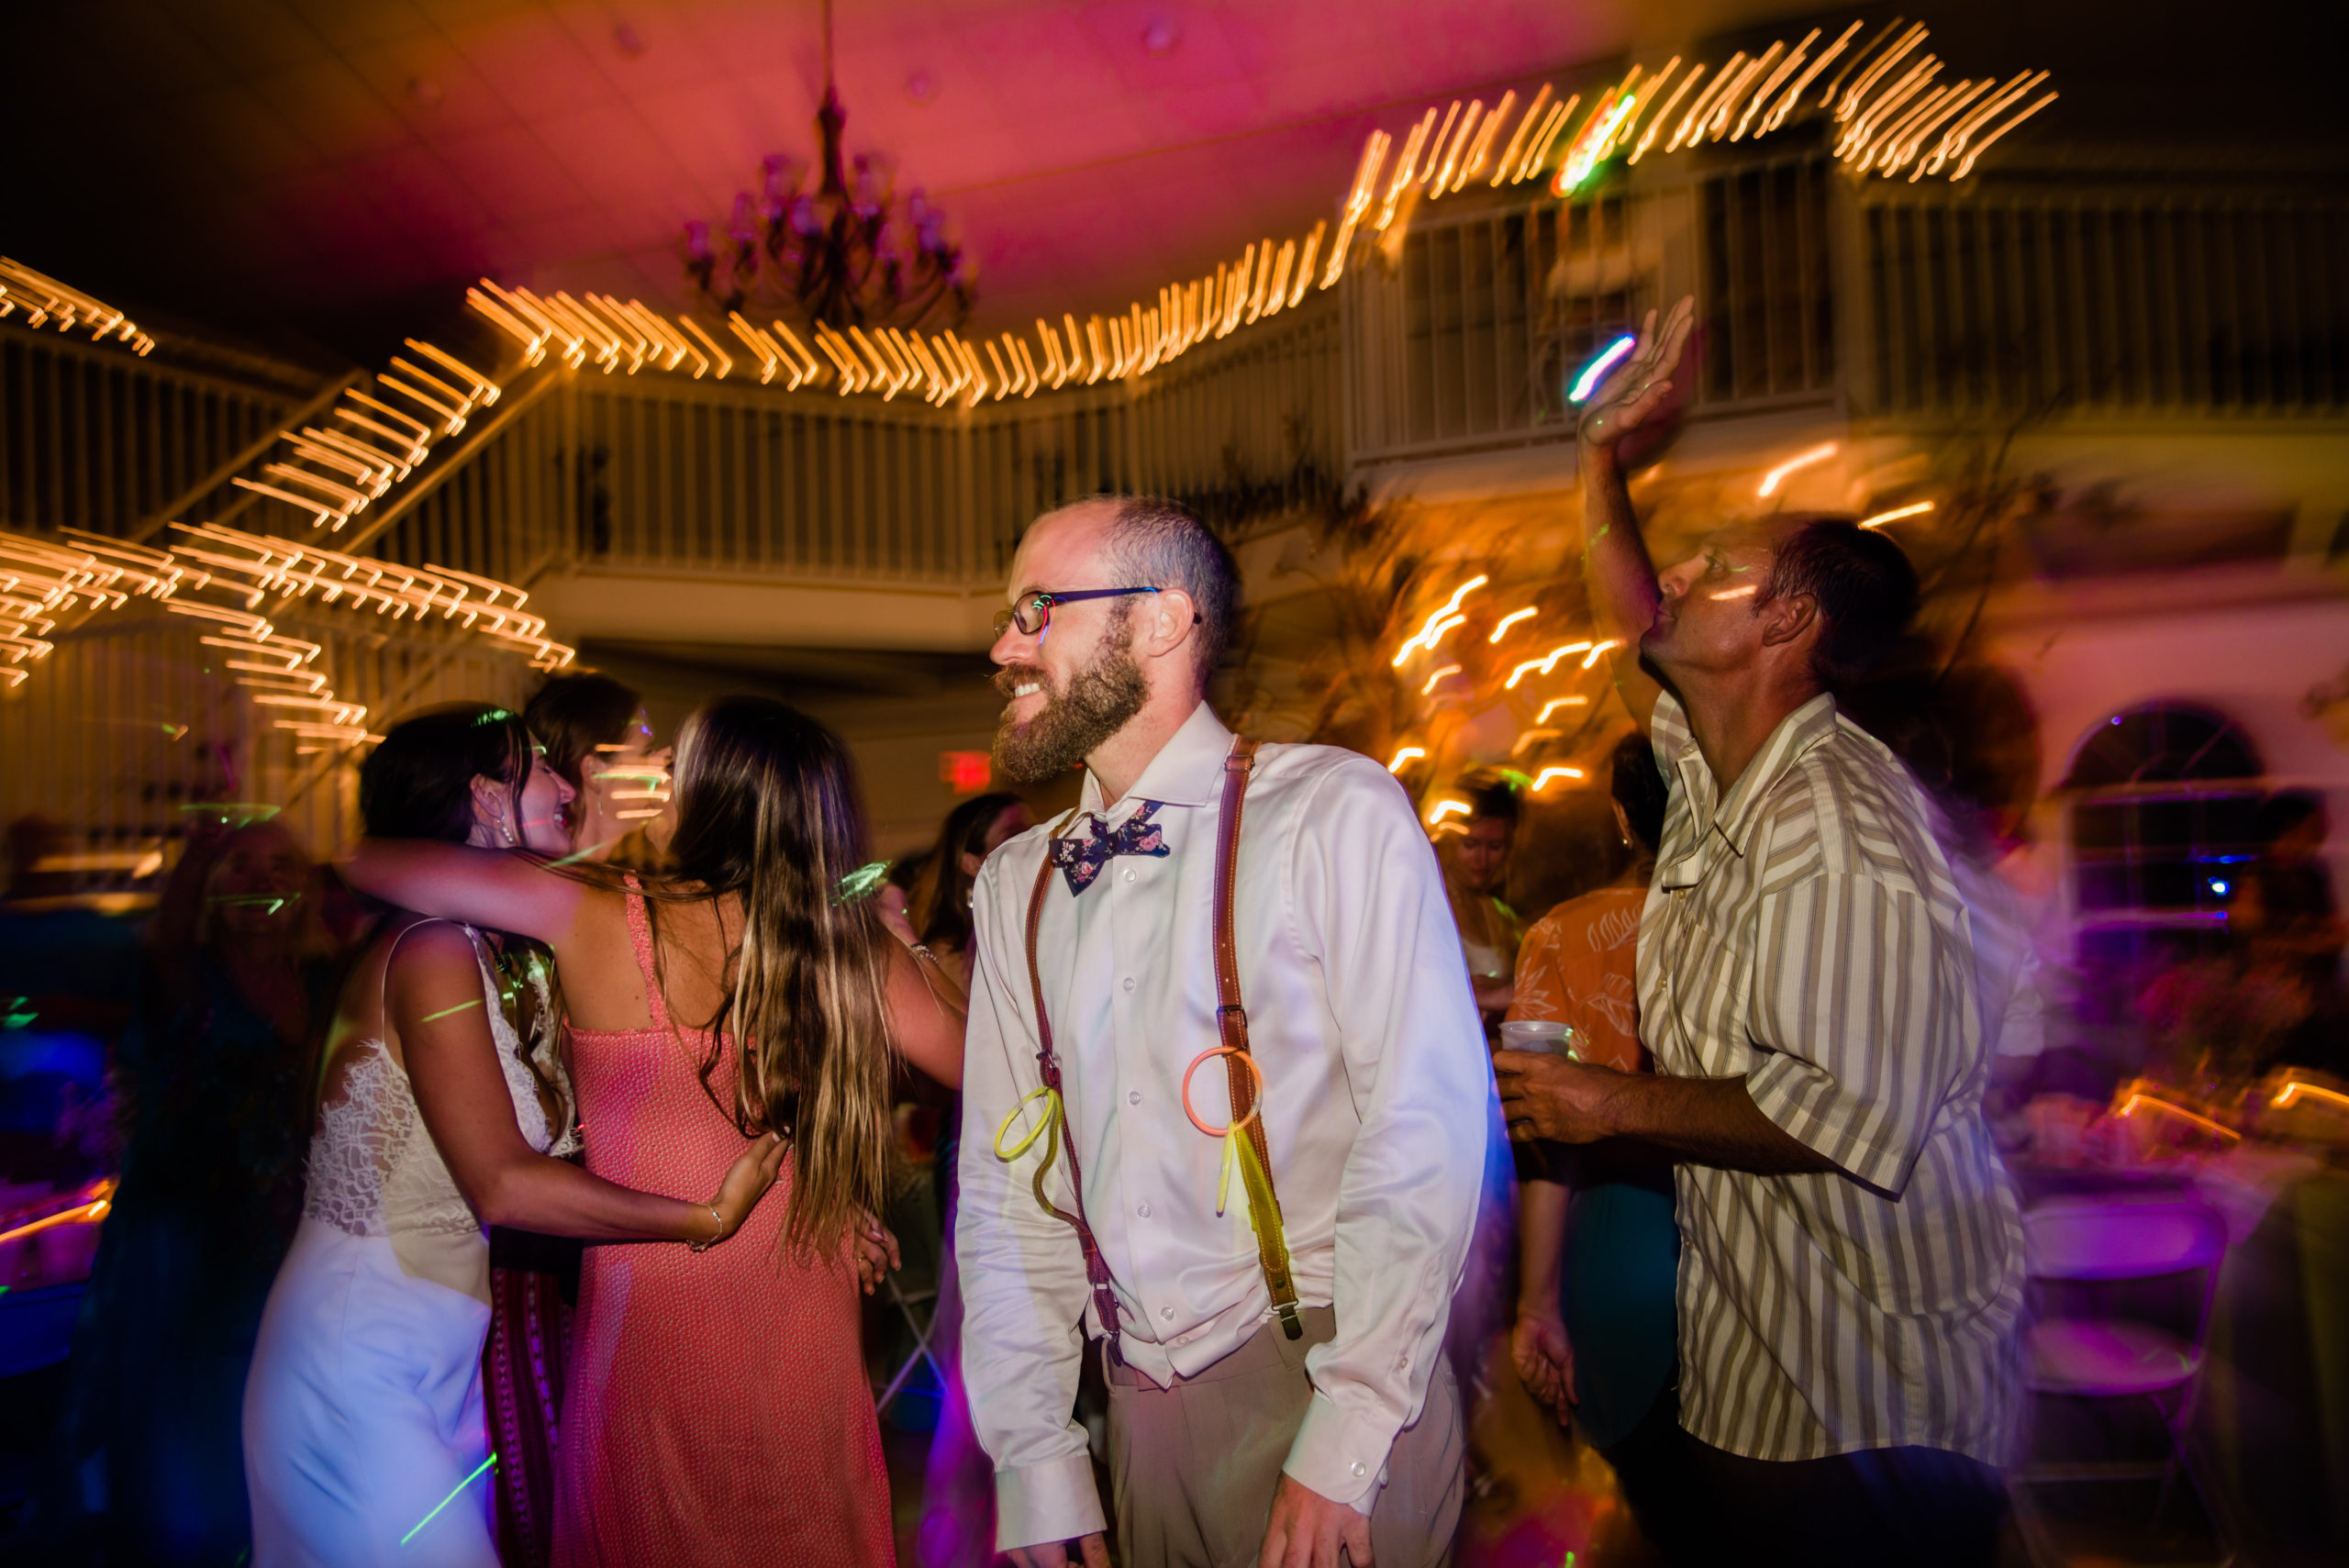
<point>373,1168</point>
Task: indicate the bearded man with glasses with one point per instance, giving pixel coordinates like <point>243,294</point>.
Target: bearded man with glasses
<point>1227,960</point>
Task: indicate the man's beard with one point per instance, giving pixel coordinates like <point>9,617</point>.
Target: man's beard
<point>1099,700</point>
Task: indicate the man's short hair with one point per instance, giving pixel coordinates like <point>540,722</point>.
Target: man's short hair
<point>1864,585</point>
<point>1162,544</point>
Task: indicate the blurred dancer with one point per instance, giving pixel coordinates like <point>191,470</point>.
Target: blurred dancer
<point>958,1500</point>
<point>1852,1262</point>
<point>1475,863</point>
<point>1598,1251</point>
<point>1275,1396</point>
<point>717,1411</point>
<point>218,1085</point>
<point>363,1415</point>
<point>598,739</point>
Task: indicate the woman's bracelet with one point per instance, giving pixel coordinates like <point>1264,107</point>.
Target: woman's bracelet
<point>705,1246</point>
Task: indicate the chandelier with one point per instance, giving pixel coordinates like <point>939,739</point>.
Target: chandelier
<point>845,254</point>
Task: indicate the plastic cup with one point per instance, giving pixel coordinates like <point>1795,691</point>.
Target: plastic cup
<point>1543,1037</point>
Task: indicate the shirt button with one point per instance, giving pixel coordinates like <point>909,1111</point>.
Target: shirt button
<point>1129,982</point>
<point>1130,874</point>
<point>1167,1313</point>
<point>1144,1210</point>
<point>1359,1468</point>
<point>1133,1097</point>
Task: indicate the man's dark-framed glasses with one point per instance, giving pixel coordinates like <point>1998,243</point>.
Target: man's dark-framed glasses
<point>1033,612</point>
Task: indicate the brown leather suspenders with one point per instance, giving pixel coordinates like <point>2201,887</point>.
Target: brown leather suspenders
<point>1231,1022</point>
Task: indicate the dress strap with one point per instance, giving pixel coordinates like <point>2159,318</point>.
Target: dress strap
<point>639,933</point>
<point>383,997</point>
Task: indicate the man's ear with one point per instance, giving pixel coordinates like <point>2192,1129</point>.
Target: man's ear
<point>1173,619</point>
<point>1789,618</point>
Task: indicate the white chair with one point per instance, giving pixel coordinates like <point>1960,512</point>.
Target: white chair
<point>2089,1241</point>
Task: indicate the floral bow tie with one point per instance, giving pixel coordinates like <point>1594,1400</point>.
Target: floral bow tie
<point>1081,859</point>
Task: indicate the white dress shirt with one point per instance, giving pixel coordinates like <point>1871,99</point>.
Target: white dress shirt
<point>1376,1087</point>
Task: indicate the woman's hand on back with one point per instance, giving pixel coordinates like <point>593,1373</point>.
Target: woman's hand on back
<point>875,1250</point>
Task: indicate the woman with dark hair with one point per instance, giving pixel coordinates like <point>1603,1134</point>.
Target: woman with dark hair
<point>598,740</point>
<point>1598,1249</point>
<point>363,1412</point>
<point>940,900</point>
<point>717,1411</point>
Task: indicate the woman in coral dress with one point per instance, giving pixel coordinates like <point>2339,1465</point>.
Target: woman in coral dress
<point>716,1411</point>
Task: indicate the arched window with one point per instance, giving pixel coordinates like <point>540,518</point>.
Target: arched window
<point>2162,804</point>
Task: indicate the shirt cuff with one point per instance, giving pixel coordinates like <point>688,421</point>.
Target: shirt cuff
<point>1810,1106</point>
<point>1338,1454</point>
<point>1055,1500</point>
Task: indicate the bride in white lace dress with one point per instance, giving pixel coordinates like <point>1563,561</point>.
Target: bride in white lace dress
<point>363,1410</point>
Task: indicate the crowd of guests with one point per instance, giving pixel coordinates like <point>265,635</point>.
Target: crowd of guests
<point>549,1138</point>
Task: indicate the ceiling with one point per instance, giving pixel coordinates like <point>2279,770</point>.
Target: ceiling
<point>336,159</point>
<point>342,168</point>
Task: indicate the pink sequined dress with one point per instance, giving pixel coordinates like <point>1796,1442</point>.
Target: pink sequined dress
<point>716,1411</point>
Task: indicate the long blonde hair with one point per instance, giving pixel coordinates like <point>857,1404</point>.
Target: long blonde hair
<point>767,810</point>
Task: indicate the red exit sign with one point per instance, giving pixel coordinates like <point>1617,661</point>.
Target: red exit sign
<point>965,773</point>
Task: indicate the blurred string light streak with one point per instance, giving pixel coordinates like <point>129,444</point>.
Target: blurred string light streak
<point>1439,675</point>
<point>1914,509</point>
<point>1501,626</point>
<point>43,584</point>
<point>91,1204</point>
<point>1407,753</point>
<point>1446,807</point>
<point>2129,1108</point>
<point>1543,780</point>
<point>1546,664</point>
<point>1889,119</point>
<point>1554,704</point>
<point>1425,637</point>
<point>1795,464</point>
<point>44,300</point>
<point>2297,1089</point>
<point>1596,372</point>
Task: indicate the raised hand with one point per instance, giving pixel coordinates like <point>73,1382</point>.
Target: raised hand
<point>1635,390</point>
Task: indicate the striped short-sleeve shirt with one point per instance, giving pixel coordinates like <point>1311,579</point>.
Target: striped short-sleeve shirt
<point>1804,932</point>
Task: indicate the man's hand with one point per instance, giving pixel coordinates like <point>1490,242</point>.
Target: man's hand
<point>1307,1530</point>
<point>1637,388</point>
<point>1093,1550</point>
<point>1544,1357</point>
<point>1553,1097</point>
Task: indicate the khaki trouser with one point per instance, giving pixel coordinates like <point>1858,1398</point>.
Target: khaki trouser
<point>1194,1466</point>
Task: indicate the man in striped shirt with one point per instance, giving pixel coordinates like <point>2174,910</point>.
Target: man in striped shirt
<point>1851,1269</point>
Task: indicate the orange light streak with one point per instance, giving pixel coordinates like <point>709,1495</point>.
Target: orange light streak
<point>1541,782</point>
<point>1439,675</point>
<point>1554,704</point>
<point>1423,636</point>
<point>2141,1098</point>
<point>1508,620</point>
<point>1800,460</point>
<point>1407,754</point>
<point>1517,137</point>
<point>1546,664</point>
